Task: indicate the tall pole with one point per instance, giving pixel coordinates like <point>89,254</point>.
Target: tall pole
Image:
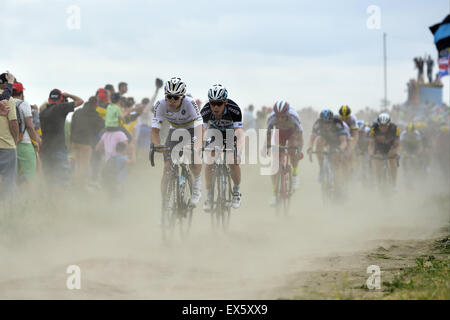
<point>385,71</point>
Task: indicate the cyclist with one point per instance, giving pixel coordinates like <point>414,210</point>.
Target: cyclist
<point>442,150</point>
<point>412,146</point>
<point>182,113</point>
<point>411,140</point>
<point>329,131</point>
<point>384,140</point>
<point>362,150</point>
<point>363,137</point>
<point>289,132</point>
<point>224,115</point>
<point>345,113</point>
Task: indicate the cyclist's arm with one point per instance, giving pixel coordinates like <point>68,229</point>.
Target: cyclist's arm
<point>311,141</point>
<point>154,136</point>
<point>396,146</point>
<point>157,122</point>
<point>269,137</point>
<point>355,138</point>
<point>300,140</point>
<point>239,133</point>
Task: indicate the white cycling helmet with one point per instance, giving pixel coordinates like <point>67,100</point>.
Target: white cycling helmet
<point>281,107</point>
<point>217,92</point>
<point>175,86</point>
<point>384,119</point>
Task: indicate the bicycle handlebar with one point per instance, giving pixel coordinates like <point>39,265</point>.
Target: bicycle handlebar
<point>153,149</point>
<point>384,157</point>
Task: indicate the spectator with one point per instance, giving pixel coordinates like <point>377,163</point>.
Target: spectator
<point>54,151</point>
<point>420,65</point>
<point>26,155</point>
<point>114,172</point>
<point>108,142</point>
<point>123,88</point>
<point>9,132</point>
<point>103,100</point>
<point>110,89</point>
<point>249,118</point>
<point>35,115</point>
<point>86,125</point>
<point>7,79</point>
<point>430,64</point>
<point>437,79</point>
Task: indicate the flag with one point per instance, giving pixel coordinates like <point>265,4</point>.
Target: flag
<point>441,33</point>
<point>443,65</point>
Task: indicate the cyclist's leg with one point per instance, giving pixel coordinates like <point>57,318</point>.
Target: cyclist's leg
<point>167,161</point>
<point>393,169</point>
<point>196,168</point>
<point>294,156</point>
<point>380,150</point>
<point>320,146</point>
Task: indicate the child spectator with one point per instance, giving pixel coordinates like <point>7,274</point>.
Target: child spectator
<point>114,172</point>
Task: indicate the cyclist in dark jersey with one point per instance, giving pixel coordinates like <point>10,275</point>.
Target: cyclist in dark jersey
<point>222,120</point>
<point>384,140</point>
<point>329,131</point>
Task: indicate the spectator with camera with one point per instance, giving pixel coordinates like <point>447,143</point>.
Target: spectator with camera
<point>55,161</point>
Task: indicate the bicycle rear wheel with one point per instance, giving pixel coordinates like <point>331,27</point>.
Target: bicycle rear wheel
<point>327,187</point>
<point>221,192</point>
<point>286,189</point>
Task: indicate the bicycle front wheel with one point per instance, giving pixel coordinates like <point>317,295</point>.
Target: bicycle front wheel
<point>184,216</point>
<point>169,208</point>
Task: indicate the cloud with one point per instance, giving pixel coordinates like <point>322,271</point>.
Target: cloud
<point>318,54</point>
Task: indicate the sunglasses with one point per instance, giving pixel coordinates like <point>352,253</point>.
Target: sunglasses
<point>216,103</point>
<point>173,97</point>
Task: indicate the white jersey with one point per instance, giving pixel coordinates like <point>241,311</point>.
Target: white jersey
<point>188,115</point>
<point>347,129</point>
<point>293,121</point>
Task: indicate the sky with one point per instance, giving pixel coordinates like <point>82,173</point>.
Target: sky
<point>309,53</point>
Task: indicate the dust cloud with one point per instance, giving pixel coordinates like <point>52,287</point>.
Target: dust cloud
<point>117,243</point>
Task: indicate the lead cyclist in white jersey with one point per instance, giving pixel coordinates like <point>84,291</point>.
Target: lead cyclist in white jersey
<point>182,113</point>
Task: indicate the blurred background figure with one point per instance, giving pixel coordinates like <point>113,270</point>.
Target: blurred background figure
<point>85,127</point>
<point>249,121</point>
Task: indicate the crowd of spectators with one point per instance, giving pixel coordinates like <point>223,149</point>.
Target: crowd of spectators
<point>72,142</point>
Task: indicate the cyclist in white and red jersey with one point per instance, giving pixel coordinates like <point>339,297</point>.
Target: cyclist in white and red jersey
<point>290,132</point>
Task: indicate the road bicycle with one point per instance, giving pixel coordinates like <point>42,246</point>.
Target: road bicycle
<point>283,184</point>
<point>386,179</point>
<point>221,190</point>
<point>176,209</point>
